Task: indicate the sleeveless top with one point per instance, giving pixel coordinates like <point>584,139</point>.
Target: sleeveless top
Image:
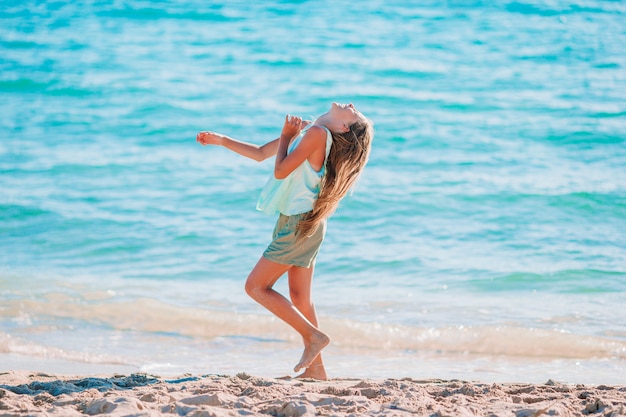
<point>296,193</point>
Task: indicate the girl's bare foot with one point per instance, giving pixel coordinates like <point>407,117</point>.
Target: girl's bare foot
<point>314,372</point>
<point>312,348</point>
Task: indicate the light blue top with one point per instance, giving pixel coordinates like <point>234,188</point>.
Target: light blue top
<point>296,193</point>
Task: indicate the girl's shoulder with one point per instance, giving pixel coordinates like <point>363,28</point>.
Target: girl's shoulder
<point>316,132</point>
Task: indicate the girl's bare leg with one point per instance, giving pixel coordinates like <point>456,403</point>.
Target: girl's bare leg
<point>259,287</point>
<point>300,280</point>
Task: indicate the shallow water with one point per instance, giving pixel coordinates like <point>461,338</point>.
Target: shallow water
<point>484,240</point>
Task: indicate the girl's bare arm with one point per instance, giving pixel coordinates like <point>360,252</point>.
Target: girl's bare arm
<point>249,150</point>
<point>313,145</point>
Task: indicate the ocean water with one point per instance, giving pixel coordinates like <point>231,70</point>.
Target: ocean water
<point>485,240</point>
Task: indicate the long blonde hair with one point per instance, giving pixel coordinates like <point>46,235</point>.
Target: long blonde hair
<point>348,155</point>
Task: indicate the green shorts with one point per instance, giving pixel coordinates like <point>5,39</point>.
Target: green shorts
<point>284,250</point>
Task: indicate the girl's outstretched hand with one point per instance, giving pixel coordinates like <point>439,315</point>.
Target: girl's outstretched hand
<point>210,138</point>
<point>292,127</point>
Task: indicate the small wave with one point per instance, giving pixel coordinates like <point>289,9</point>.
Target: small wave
<point>70,92</point>
<point>545,10</point>
<point>147,13</point>
<point>19,44</point>
<point>527,9</point>
<point>586,138</point>
<point>608,115</point>
<point>22,85</point>
<point>52,88</point>
<point>581,204</point>
<point>16,345</point>
<point>568,281</point>
<point>154,317</point>
<point>18,212</point>
<point>607,65</point>
<point>480,340</point>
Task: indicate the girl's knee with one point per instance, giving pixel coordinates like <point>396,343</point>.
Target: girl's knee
<point>255,286</point>
<point>251,287</point>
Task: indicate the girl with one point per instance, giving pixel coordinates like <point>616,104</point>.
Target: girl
<point>312,172</point>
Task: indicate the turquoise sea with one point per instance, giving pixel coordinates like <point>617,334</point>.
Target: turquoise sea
<point>486,239</point>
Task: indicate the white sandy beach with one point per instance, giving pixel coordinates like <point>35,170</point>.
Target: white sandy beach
<point>38,394</point>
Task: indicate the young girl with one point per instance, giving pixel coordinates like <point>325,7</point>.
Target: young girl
<point>312,173</point>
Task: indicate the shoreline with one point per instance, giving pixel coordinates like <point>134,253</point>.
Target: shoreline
<point>40,394</point>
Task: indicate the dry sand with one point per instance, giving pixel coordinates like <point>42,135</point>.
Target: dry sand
<point>28,394</point>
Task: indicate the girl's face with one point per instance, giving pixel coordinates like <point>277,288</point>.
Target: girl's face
<point>344,116</point>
